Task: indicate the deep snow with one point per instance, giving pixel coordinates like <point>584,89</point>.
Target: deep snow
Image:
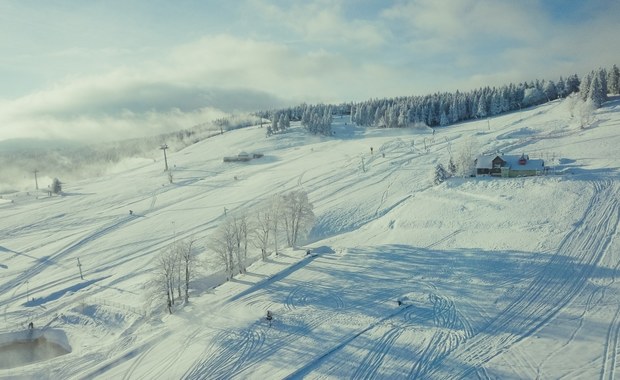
<point>498,278</point>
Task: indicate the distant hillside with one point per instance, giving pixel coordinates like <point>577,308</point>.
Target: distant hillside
<point>442,109</point>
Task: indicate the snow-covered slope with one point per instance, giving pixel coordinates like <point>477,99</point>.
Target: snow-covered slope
<point>498,278</point>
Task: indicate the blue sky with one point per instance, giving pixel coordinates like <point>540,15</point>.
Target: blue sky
<point>80,69</point>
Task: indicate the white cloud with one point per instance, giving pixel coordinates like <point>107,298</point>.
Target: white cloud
<point>466,25</point>
<point>287,53</point>
<point>213,73</point>
<point>90,128</point>
<point>492,42</point>
<point>323,23</point>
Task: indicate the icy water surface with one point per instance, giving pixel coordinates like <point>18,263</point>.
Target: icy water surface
<point>19,353</point>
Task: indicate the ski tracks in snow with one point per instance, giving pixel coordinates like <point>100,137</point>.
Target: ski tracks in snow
<point>376,356</point>
<point>610,353</point>
<point>549,292</point>
<point>230,354</point>
<point>44,262</point>
<point>451,329</point>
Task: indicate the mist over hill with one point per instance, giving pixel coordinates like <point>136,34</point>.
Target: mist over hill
<point>71,158</point>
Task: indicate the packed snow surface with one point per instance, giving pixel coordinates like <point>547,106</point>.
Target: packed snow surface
<point>473,278</point>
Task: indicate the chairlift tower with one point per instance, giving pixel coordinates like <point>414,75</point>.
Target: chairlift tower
<point>164,147</point>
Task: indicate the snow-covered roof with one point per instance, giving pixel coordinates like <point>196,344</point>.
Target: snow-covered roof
<point>530,164</point>
<point>483,162</point>
<point>512,161</point>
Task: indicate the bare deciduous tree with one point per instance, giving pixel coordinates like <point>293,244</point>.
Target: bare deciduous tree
<point>275,208</point>
<point>188,262</point>
<point>241,232</point>
<point>297,215</point>
<point>174,269</point>
<point>263,222</point>
<point>465,158</point>
<point>224,246</point>
<point>165,275</point>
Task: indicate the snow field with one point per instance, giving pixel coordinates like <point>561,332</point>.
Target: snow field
<point>509,278</point>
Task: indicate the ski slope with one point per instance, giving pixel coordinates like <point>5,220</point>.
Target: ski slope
<point>498,278</point>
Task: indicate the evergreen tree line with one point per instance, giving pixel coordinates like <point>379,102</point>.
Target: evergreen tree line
<point>446,108</point>
<point>598,83</point>
<point>442,109</point>
<point>280,122</point>
<point>317,119</point>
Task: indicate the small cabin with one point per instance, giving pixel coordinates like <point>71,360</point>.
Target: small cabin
<point>508,165</point>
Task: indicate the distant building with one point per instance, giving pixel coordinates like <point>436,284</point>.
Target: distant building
<point>243,157</point>
<point>509,166</point>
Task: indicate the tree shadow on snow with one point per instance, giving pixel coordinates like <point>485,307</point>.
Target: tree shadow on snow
<point>480,297</point>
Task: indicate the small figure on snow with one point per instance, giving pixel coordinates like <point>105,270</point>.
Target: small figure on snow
<point>371,150</point>
<point>308,252</point>
<point>30,326</point>
<point>130,212</point>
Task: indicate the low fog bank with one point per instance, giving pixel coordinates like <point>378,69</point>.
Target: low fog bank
<point>70,160</point>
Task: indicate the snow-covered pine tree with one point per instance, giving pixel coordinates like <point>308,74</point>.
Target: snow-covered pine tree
<point>613,80</point>
<point>596,94</point>
<point>496,104</point>
<point>572,84</point>
<point>584,87</point>
<point>560,87</point>
<point>56,186</point>
<point>281,121</point>
<point>274,123</point>
<point>443,119</point>
<point>451,167</point>
<point>439,174</point>
<point>601,73</point>
<point>533,96</point>
<point>550,90</point>
<point>481,110</point>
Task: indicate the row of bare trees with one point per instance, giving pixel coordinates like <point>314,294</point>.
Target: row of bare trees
<point>174,271</point>
<point>283,219</point>
<point>230,244</point>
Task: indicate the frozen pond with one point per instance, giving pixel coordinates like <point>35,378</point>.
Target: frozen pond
<point>29,348</point>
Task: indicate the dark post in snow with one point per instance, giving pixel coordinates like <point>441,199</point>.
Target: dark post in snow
<point>36,182</point>
<point>164,147</point>
<point>80,266</point>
